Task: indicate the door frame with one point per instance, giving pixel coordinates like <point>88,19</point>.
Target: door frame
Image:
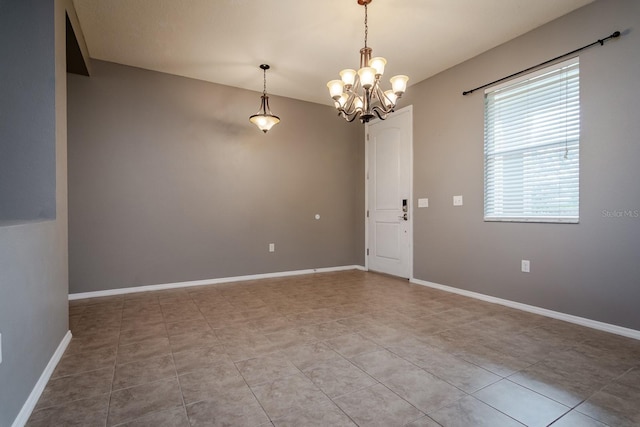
<point>405,110</point>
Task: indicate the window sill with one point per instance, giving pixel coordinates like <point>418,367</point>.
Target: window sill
<point>534,220</point>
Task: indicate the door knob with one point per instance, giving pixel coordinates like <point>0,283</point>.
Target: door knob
<point>404,217</point>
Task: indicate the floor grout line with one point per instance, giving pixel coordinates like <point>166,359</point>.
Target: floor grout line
<point>280,313</point>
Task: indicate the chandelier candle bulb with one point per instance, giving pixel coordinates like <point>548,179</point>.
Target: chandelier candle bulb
<point>348,77</point>
<point>399,84</point>
<point>335,88</point>
<point>378,63</point>
<point>342,101</point>
<point>367,76</point>
<point>391,98</point>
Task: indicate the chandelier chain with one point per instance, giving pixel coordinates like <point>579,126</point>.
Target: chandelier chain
<point>366,26</point>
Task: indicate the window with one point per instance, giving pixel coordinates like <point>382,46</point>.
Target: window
<point>531,147</point>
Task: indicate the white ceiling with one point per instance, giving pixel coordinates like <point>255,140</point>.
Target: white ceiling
<point>306,42</point>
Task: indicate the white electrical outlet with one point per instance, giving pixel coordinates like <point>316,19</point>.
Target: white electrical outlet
<point>272,247</point>
<point>457,200</point>
<point>526,266</point>
<point>423,203</point>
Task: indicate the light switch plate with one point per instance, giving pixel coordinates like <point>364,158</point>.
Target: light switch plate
<point>423,203</point>
<point>526,266</point>
<point>272,247</point>
<point>457,200</point>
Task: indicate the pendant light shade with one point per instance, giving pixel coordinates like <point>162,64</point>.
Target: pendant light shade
<point>264,119</point>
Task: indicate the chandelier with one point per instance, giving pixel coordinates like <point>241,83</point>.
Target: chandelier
<point>264,119</point>
<point>358,93</point>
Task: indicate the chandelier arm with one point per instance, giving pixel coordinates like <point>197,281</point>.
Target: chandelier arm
<point>386,109</point>
<point>350,118</point>
<point>349,106</point>
<point>381,113</point>
<point>350,114</point>
<point>380,116</point>
<point>382,110</point>
<point>356,85</point>
<point>378,93</point>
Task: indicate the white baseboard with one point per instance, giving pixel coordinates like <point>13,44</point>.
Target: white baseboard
<point>147,288</point>
<point>614,329</point>
<point>27,408</point>
<point>619,330</point>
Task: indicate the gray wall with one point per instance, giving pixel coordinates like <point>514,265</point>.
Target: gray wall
<point>167,185</point>
<point>591,269</point>
<point>27,156</point>
<point>33,255</point>
<point>170,182</point>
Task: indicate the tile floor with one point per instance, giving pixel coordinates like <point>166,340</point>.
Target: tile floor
<point>333,349</point>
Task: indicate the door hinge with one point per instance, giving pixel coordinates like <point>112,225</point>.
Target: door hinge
<point>367,213</point>
<point>367,251</point>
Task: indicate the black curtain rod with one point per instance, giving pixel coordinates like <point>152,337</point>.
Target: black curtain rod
<point>601,42</point>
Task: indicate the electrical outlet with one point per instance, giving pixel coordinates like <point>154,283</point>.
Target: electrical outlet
<point>423,203</point>
<point>526,266</point>
<point>272,247</point>
<point>457,200</point>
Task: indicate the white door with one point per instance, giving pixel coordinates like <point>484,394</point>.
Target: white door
<point>389,207</point>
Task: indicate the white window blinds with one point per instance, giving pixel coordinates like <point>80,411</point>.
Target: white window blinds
<point>531,147</point>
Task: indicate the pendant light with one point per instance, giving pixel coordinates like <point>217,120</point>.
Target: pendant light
<point>263,118</point>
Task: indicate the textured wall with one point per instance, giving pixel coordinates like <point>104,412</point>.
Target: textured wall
<point>590,269</point>
<point>33,255</point>
<point>169,182</point>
